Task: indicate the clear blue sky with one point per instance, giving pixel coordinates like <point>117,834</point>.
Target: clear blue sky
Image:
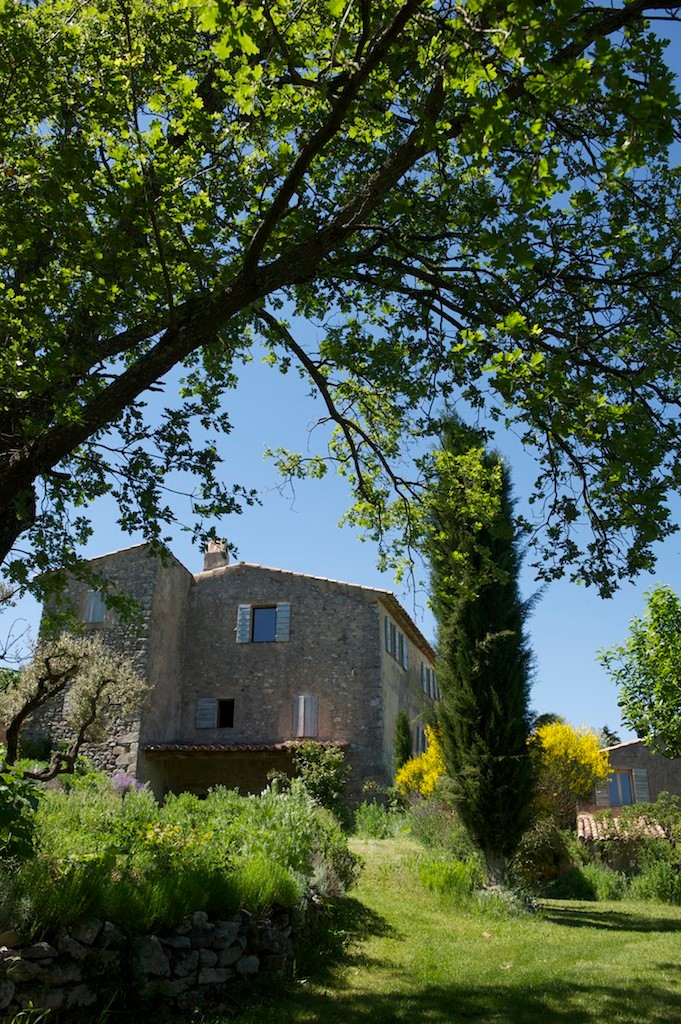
<point>298,530</point>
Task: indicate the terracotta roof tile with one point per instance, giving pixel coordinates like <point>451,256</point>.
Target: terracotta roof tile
<point>592,827</point>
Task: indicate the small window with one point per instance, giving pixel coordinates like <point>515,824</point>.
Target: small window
<point>226,714</point>
<point>264,625</point>
<point>95,610</point>
<point>214,714</point>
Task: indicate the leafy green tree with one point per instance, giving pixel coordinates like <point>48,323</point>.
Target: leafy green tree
<point>99,683</point>
<point>465,198</point>
<point>647,669</point>
<point>483,657</point>
<point>402,746</point>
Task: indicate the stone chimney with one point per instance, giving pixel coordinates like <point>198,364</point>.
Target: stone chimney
<point>215,555</point>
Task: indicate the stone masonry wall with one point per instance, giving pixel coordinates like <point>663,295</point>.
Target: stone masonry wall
<point>152,642</point>
<point>664,773</point>
<point>333,653</point>
<point>93,963</point>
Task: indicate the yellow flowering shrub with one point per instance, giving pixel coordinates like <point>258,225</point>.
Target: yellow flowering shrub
<point>569,764</point>
<point>419,774</point>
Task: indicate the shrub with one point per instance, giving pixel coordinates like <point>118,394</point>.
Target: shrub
<point>121,857</point>
<point>419,776</point>
<point>545,852</point>
<point>325,774</point>
<point>402,745</point>
<point>18,804</point>
<point>374,821</point>
<point>660,881</point>
<point>436,826</point>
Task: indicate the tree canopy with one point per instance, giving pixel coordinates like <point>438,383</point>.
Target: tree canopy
<point>467,200</point>
<point>647,669</point>
<point>569,764</point>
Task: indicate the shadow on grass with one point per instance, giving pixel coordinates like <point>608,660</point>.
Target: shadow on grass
<point>336,939</point>
<point>458,1004</point>
<point>582,917</point>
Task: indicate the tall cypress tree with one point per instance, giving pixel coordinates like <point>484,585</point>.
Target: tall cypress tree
<point>484,661</point>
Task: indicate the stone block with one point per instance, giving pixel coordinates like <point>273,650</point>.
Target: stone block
<point>214,975</point>
<point>150,958</point>
<point>177,942</point>
<point>62,974</point>
<point>226,933</point>
<point>87,932</point>
<point>22,970</point>
<point>248,965</point>
<point>67,944</point>
<point>208,957</point>
<point>6,992</point>
<point>39,951</point>
<point>112,936</point>
<point>81,995</point>
<point>227,957</point>
<point>185,963</point>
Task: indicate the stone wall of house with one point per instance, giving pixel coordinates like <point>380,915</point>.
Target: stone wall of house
<point>333,654</point>
<point>664,773</point>
<point>96,964</point>
<point>152,641</point>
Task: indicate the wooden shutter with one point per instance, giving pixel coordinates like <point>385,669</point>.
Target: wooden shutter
<point>206,713</point>
<point>283,622</point>
<point>641,788</point>
<point>602,796</point>
<point>405,653</point>
<point>243,624</point>
<point>424,682</point>
<point>387,633</point>
<point>305,716</point>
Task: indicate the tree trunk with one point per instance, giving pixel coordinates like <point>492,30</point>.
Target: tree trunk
<point>496,867</point>
<point>15,519</point>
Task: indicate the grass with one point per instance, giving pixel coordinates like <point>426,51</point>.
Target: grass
<point>409,958</point>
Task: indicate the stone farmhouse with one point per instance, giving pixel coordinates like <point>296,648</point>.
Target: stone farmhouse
<point>638,776</point>
<point>245,661</point>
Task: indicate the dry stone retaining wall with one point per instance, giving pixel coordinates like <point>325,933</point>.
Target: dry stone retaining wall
<point>189,967</point>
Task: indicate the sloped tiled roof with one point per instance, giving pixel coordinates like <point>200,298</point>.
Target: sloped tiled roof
<point>199,749</point>
<point>592,827</point>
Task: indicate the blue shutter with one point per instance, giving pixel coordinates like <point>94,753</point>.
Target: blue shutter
<point>283,622</point>
<point>206,713</point>
<point>387,634</point>
<point>243,624</point>
<point>424,683</point>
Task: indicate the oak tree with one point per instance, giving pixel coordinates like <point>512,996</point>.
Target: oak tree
<point>467,199</point>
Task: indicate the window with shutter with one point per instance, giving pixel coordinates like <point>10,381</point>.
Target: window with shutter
<point>387,633</point>
<point>424,680</point>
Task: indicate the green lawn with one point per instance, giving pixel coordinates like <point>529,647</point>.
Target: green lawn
<point>414,960</point>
